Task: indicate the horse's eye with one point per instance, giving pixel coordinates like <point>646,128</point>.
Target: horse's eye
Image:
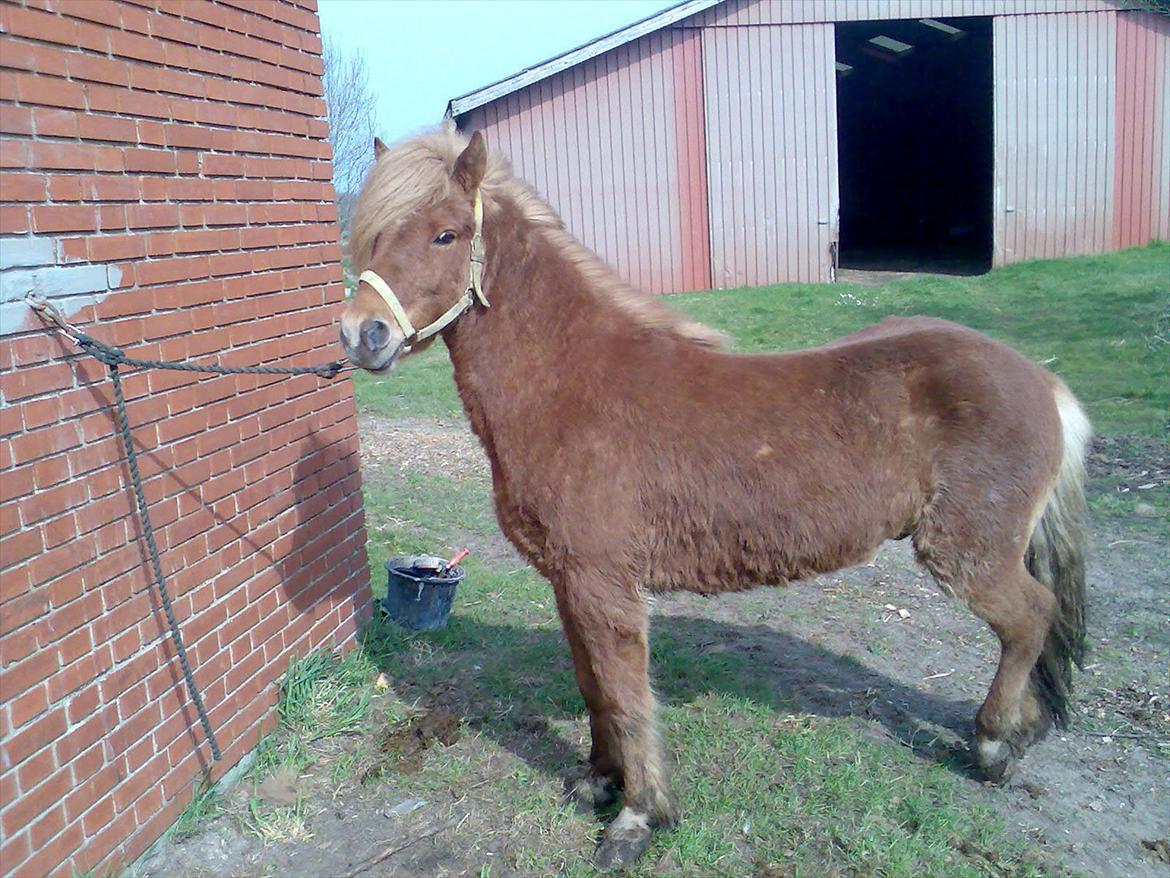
<point>444,238</point>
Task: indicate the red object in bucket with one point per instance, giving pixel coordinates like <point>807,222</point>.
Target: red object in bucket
<point>459,556</point>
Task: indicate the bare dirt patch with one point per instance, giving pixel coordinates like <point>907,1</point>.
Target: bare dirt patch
<point>404,744</point>
<point>420,446</point>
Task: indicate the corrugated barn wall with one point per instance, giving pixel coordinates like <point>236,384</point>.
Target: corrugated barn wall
<point>616,145</point>
<point>705,153</point>
<point>1141,208</point>
<point>1054,137</point>
<point>771,152</point>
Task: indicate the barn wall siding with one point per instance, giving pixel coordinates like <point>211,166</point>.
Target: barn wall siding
<point>1142,166</point>
<point>1054,135</point>
<point>772,152</point>
<point>166,180</point>
<point>613,145</point>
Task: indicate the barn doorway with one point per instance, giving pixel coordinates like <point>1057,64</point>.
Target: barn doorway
<point>915,145</point>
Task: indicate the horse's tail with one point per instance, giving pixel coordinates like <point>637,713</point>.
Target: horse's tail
<point>1056,557</point>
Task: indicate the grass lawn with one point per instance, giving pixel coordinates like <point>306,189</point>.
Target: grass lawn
<point>766,790</point>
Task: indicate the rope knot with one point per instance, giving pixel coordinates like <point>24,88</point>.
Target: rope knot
<point>111,356</point>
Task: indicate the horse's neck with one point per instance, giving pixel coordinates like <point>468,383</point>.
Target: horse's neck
<point>544,318</point>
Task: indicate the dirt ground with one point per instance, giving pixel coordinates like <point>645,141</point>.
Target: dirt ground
<point>879,644</point>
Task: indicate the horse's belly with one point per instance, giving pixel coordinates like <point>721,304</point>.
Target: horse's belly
<point>719,561</point>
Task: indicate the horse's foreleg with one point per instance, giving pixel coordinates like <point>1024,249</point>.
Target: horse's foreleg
<point>609,622</point>
<point>597,788</point>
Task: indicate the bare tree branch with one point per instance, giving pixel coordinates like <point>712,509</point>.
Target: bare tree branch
<point>350,104</point>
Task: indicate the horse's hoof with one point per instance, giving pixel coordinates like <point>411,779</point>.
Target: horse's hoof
<point>996,760</point>
<point>592,792</point>
<point>624,843</point>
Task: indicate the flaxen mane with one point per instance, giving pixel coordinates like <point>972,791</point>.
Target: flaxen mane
<point>417,173</point>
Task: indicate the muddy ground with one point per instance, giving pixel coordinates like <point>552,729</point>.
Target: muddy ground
<point>880,644</point>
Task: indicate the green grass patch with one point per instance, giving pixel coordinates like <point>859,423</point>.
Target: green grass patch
<point>1101,322</point>
<point>419,387</point>
<point>204,807</point>
<point>322,695</point>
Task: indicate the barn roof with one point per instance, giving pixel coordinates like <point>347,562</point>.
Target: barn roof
<point>488,93</point>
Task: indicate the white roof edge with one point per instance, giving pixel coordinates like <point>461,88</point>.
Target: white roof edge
<point>467,102</point>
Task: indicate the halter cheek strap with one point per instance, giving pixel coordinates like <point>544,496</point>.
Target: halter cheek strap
<point>474,292</point>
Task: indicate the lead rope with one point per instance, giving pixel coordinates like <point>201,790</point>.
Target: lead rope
<point>114,357</point>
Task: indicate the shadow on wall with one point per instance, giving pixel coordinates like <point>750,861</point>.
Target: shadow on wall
<point>307,557</point>
<point>316,561</point>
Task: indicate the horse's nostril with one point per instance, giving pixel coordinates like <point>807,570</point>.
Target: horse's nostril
<point>375,334</point>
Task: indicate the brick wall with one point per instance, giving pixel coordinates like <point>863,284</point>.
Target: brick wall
<point>166,181</point>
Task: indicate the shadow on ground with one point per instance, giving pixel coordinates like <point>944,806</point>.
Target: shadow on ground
<point>514,682</point>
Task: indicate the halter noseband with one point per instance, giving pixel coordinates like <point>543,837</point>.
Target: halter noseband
<point>474,292</point>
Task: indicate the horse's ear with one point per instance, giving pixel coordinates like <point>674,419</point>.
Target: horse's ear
<point>471,165</point>
<point>379,147</point>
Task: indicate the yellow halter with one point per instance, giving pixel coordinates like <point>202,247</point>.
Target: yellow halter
<point>474,292</point>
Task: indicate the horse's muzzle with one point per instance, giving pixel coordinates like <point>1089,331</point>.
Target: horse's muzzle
<point>373,344</point>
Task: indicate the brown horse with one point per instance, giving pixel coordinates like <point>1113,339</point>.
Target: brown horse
<point>630,453</point>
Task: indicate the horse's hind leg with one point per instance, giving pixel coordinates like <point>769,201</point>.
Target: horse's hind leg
<point>610,628</point>
<point>1020,611</point>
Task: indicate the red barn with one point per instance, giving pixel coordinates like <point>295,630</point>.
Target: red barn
<point>724,143</point>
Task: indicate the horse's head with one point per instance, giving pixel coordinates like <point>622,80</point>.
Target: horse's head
<point>415,241</point>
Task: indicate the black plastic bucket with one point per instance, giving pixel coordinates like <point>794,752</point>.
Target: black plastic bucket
<point>416,598</point>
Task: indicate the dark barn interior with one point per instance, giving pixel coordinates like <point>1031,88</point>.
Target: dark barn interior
<point>915,141</point>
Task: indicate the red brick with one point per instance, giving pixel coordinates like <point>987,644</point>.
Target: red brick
<point>83,736</point>
<point>142,216</point>
<point>83,704</point>
<point>95,69</point>
<point>98,816</point>
<point>98,11</point>
<point>28,706</point>
<point>22,187</point>
<point>54,853</point>
<point>187,159</point>
<point>33,737</point>
<point>13,220</point>
<point>21,605</point>
<point>54,123</point>
<point>21,546</point>
<point>138,47</point>
<point>62,218</point>
<point>16,120</point>
<point>112,218</point>
<point>14,849</point>
<point>48,502</point>
<point>49,91</point>
<point>113,247</point>
<point>53,821</point>
<point>108,128</point>
<point>75,646</point>
<point>72,678</point>
<point>154,161</point>
<point>51,471</point>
